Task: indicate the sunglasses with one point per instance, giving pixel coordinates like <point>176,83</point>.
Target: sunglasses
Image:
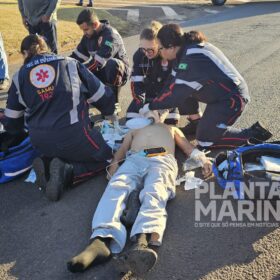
<point>148,50</point>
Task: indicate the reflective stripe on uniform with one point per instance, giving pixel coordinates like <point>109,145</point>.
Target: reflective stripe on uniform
<point>16,82</point>
<point>98,94</point>
<point>137,78</point>
<point>75,86</point>
<point>228,69</point>
<point>195,85</point>
<point>100,59</point>
<point>80,55</point>
<point>13,113</point>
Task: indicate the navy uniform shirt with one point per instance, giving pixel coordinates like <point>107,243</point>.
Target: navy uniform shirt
<point>96,51</point>
<point>203,72</point>
<point>148,76</point>
<point>54,92</point>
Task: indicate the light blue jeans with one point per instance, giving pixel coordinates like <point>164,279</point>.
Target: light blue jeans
<point>3,61</point>
<point>157,176</point>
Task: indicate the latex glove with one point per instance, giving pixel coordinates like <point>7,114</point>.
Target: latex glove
<point>197,155</point>
<point>144,110</point>
<point>206,164</point>
<point>154,115</point>
<point>163,115</point>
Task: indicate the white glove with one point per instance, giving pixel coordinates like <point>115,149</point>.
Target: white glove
<point>198,156</point>
<point>163,115</point>
<point>144,110</point>
<point>154,115</point>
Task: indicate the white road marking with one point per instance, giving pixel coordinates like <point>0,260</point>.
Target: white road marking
<point>211,11</point>
<point>133,15</point>
<point>169,12</point>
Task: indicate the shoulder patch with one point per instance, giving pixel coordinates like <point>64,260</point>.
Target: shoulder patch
<point>42,75</point>
<point>108,43</point>
<point>183,66</point>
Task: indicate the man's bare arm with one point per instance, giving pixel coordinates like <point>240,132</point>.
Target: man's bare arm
<point>182,142</point>
<point>120,153</point>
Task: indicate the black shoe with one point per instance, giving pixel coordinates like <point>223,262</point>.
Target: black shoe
<point>79,4</point>
<point>259,132</point>
<point>191,127</point>
<point>60,178</point>
<point>90,5</point>
<point>139,258</point>
<point>132,208</point>
<point>40,169</point>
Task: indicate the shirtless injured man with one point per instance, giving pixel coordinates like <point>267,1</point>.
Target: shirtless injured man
<point>149,166</point>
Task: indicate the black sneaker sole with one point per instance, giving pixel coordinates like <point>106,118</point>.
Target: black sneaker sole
<point>55,184</point>
<point>39,168</point>
<point>138,261</point>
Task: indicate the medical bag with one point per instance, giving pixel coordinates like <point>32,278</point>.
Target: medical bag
<point>255,164</point>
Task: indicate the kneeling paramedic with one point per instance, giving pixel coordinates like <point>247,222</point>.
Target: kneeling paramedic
<point>151,168</point>
<point>102,51</point>
<point>202,73</point>
<point>51,94</point>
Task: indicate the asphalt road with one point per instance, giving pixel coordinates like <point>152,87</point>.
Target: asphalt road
<point>37,237</point>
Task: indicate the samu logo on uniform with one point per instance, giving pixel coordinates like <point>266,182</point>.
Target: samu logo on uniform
<point>42,76</point>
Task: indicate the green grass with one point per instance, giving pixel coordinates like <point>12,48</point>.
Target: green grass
<point>69,33</point>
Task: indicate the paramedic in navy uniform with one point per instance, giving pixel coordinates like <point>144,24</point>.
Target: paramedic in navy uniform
<point>102,51</point>
<point>52,95</point>
<point>202,73</point>
<point>149,73</point>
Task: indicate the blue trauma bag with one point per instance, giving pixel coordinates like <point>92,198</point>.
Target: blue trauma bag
<point>16,159</point>
<point>244,165</point>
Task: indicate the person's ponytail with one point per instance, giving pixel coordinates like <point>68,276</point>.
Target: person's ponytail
<point>33,45</point>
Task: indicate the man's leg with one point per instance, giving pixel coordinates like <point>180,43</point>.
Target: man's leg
<point>48,30</point>
<point>106,220</point>
<point>159,187</point>
<point>215,131</point>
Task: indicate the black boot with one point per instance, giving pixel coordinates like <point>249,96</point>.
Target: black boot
<point>41,169</point>
<point>191,127</point>
<point>139,258</point>
<point>259,132</point>
<point>132,208</point>
<point>96,253</point>
<point>61,176</point>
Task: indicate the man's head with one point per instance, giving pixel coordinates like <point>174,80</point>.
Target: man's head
<point>88,22</point>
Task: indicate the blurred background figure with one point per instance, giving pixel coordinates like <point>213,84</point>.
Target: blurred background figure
<point>39,17</point>
<point>90,3</point>
<point>4,75</point>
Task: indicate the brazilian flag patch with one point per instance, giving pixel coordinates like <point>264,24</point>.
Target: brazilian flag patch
<point>109,44</point>
<point>183,66</point>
